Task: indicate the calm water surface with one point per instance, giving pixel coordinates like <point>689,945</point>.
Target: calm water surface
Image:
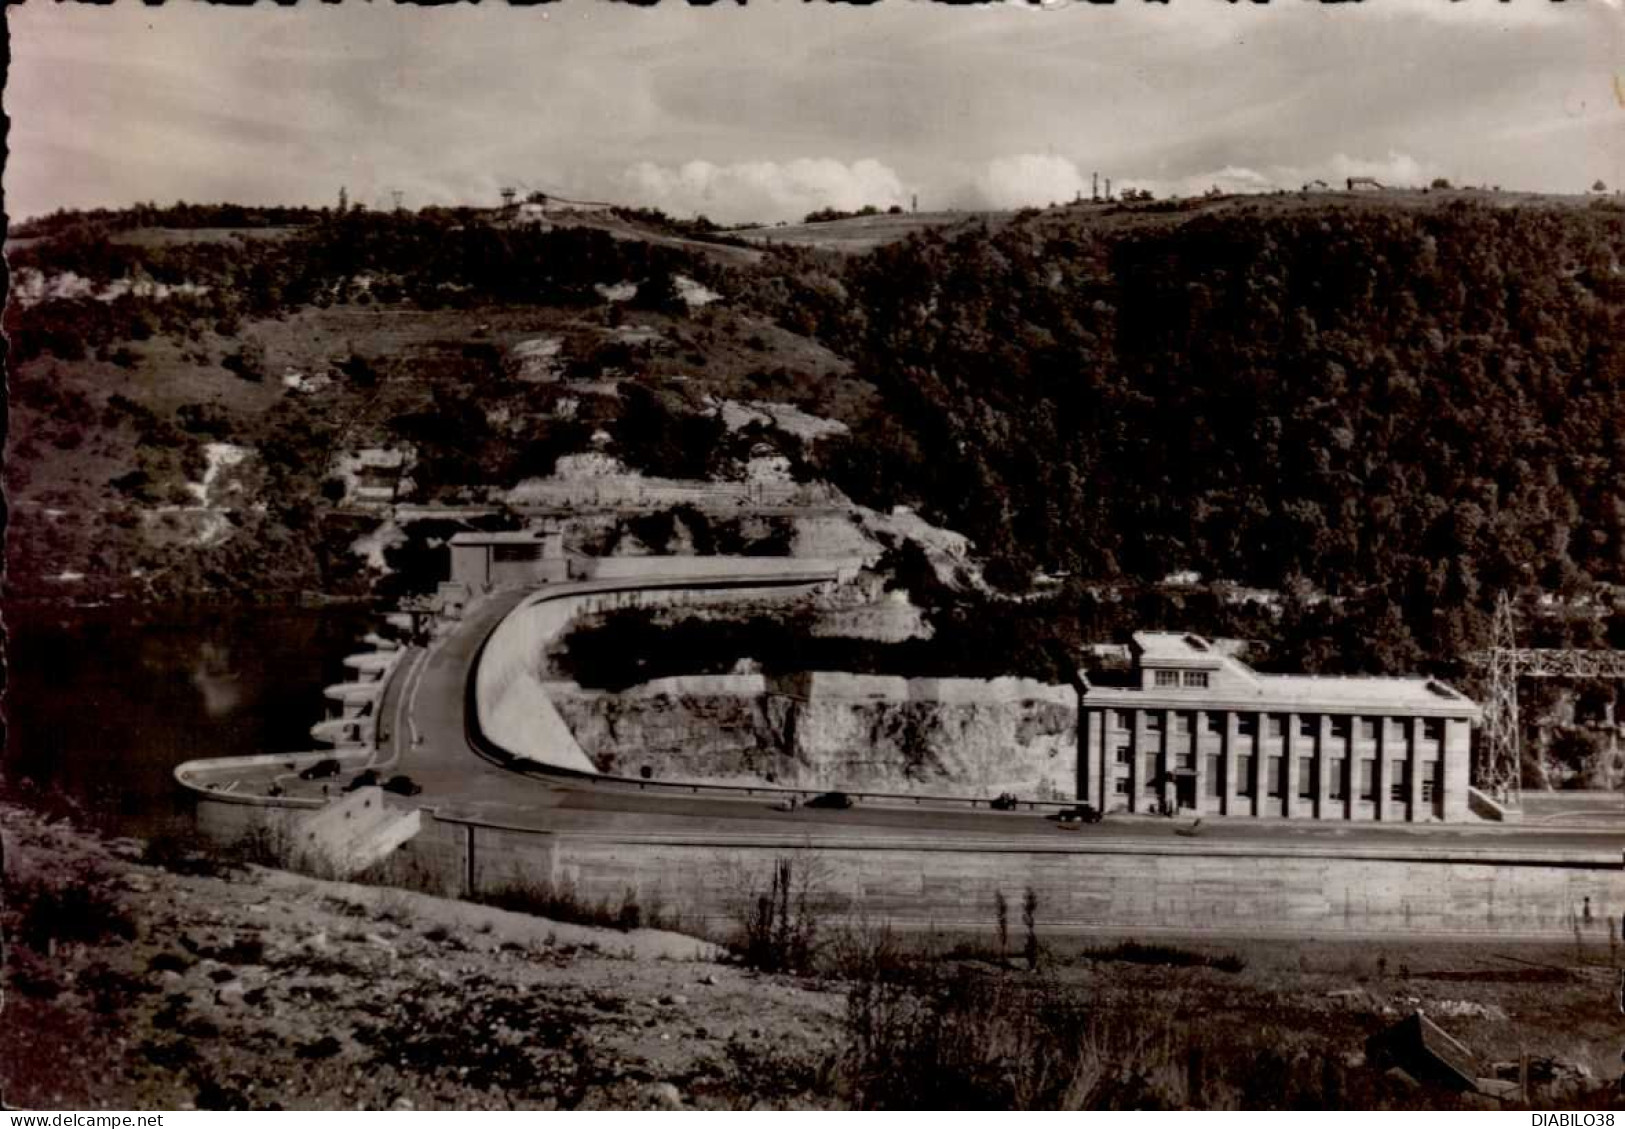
<point>101,705</point>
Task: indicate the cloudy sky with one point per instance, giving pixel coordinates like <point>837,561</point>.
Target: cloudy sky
<point>771,110</point>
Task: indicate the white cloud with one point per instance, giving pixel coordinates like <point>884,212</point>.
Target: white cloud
<point>1028,179</point>
<point>1033,179</point>
<point>1396,170</point>
<point>764,190</point>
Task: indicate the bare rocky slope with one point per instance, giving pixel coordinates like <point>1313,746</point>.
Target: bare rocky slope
<point>944,737</point>
<point>131,986</point>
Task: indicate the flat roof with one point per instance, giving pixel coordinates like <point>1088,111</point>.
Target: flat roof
<point>503,537</point>
<point>1300,693</point>
<point>1365,688</point>
<point>1240,687</point>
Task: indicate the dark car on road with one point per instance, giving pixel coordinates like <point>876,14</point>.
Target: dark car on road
<point>322,770</point>
<point>836,800</point>
<point>1077,816</point>
<point>1005,801</point>
<point>402,786</point>
<point>367,779</point>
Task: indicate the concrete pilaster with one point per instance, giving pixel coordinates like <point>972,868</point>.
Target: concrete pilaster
<point>1379,752</point>
<point>1227,762</point>
<point>1289,753</point>
<point>1198,761</point>
<point>1144,741</point>
<point>1325,754</point>
<point>1106,769</point>
<point>1091,740</point>
<point>1454,767</point>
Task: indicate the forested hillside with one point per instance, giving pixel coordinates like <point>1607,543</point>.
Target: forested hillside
<point>1405,408</point>
<point>1385,408</point>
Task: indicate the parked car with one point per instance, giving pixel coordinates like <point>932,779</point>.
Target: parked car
<point>1005,801</point>
<point>402,786</point>
<point>837,800</point>
<point>322,770</point>
<point>1076,816</point>
<point>367,779</point>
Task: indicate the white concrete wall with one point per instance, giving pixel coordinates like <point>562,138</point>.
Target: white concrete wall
<point>512,705</point>
<point>1266,893</point>
<point>944,883</point>
<point>514,710</point>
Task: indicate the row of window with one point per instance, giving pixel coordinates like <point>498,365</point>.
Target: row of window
<point>1275,778</point>
<point>1190,679</point>
<point>1247,724</point>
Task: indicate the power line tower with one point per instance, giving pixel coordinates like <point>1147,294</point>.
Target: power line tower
<point>1501,767</point>
<point>397,195</point>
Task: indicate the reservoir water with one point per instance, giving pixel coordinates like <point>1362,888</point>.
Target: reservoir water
<point>101,704</point>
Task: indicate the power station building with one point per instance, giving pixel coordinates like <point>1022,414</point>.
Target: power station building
<point>1191,728</point>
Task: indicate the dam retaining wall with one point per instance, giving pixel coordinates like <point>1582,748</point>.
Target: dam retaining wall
<point>1110,887</point>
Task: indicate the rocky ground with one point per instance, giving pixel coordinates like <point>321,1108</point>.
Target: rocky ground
<point>149,976</point>
<point>131,986</point>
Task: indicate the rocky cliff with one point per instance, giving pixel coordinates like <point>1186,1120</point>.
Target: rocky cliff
<point>926,736</point>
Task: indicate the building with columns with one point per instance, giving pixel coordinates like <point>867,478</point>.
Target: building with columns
<point>1193,729</point>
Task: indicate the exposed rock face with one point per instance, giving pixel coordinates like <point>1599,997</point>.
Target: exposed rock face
<point>926,736</point>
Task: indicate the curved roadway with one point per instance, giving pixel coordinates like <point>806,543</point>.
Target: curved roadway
<point>428,738</point>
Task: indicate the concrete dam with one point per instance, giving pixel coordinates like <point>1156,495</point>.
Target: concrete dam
<point>514,790</point>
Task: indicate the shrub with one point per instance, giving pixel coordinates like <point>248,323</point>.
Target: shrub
<point>965,1040</point>
<point>1001,913</point>
<point>359,370</point>
<point>862,951</point>
<point>779,929</point>
<point>249,361</point>
<point>204,419</point>
<point>1171,955</point>
<point>1029,922</point>
<point>266,843</point>
<point>563,902</point>
<point>75,909</point>
<point>182,855</point>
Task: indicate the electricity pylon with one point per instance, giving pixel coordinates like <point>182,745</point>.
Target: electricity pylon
<point>1500,769</point>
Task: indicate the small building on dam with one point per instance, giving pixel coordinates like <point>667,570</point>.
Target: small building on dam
<point>484,561</point>
<point>1190,728</point>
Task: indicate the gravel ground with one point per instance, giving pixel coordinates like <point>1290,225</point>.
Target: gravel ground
<point>132,986</point>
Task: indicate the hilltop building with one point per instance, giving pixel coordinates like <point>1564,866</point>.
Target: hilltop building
<point>1189,728</point>
<point>375,476</point>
